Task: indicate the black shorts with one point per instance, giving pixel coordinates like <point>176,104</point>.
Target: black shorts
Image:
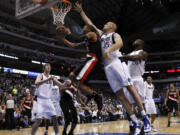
<point>85,72</point>
<point>27,113</point>
<point>68,108</point>
<point>172,105</point>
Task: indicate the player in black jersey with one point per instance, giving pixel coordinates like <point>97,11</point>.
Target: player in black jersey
<point>172,100</point>
<point>83,74</point>
<point>68,108</point>
<point>27,104</point>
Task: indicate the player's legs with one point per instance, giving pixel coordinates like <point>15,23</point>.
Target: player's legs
<point>64,103</point>
<point>55,125</point>
<point>116,85</point>
<point>83,75</point>
<point>35,126</point>
<point>125,102</point>
<point>46,126</point>
<point>74,119</point>
<point>137,98</point>
<point>153,117</point>
<point>118,76</point>
<point>170,105</point>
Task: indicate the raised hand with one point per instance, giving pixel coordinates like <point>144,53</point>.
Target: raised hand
<point>78,7</point>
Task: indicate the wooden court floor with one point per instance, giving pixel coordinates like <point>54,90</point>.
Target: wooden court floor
<point>107,128</point>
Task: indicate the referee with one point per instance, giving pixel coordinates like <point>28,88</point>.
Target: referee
<point>10,112</point>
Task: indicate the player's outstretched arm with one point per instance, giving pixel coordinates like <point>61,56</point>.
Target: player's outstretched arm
<point>74,45</point>
<point>142,56</point>
<point>40,81</point>
<point>55,80</point>
<point>118,44</point>
<point>78,8</point>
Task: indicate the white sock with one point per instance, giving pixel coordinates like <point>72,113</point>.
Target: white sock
<point>56,133</point>
<point>143,113</point>
<point>134,118</point>
<point>131,123</point>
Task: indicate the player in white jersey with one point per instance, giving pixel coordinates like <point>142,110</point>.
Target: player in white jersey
<point>136,66</point>
<point>43,107</point>
<point>117,71</point>
<point>55,97</point>
<point>149,101</point>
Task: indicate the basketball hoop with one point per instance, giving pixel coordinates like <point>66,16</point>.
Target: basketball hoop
<point>59,11</point>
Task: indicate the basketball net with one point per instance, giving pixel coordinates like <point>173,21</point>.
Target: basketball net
<point>60,10</point>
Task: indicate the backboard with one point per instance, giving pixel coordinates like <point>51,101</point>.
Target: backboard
<point>26,8</point>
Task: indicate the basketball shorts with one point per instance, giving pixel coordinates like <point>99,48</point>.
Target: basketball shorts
<point>85,72</point>
<point>150,106</point>
<point>117,75</point>
<point>43,108</point>
<point>58,109</point>
<point>27,113</point>
<point>172,105</point>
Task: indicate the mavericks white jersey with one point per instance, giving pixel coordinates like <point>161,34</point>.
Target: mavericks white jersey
<point>55,94</point>
<point>149,90</point>
<point>136,68</point>
<point>44,90</point>
<point>107,40</point>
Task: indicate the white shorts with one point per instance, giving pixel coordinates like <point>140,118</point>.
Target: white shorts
<point>118,75</point>
<point>58,109</point>
<point>43,108</point>
<point>150,107</point>
<point>138,83</point>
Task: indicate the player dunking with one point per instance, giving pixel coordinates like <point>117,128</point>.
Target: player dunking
<point>84,73</point>
<point>116,71</point>
<point>172,99</point>
<point>43,106</point>
<point>149,101</point>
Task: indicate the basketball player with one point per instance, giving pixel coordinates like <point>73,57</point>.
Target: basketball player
<point>68,108</point>
<point>27,104</point>
<point>43,106</point>
<point>55,97</point>
<point>172,99</point>
<point>149,101</point>
<point>116,70</point>
<point>84,73</point>
<point>136,66</point>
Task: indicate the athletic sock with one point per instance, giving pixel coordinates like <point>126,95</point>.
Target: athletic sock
<point>143,113</point>
<point>134,118</point>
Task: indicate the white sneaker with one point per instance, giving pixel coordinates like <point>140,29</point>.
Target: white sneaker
<point>137,128</point>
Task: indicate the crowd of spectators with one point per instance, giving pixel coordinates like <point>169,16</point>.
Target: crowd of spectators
<point>14,88</point>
